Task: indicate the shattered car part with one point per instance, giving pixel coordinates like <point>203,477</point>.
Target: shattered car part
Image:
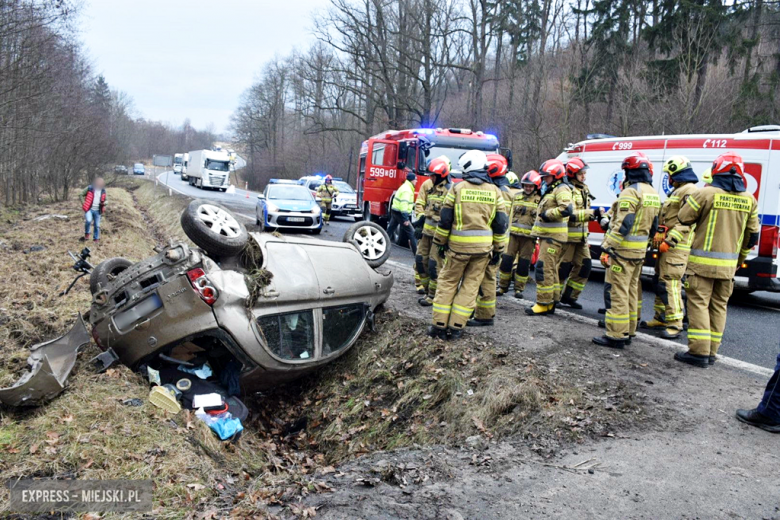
<point>283,307</point>
<point>50,364</point>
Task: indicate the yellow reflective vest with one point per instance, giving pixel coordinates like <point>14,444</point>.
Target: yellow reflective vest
<point>403,200</point>
<point>578,222</point>
<point>727,228</point>
<point>327,192</point>
<point>523,213</point>
<point>681,235</point>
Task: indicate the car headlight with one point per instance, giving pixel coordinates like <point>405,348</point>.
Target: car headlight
<point>316,210</point>
<point>272,208</point>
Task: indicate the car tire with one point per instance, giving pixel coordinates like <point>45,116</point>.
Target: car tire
<point>316,231</point>
<point>213,228</point>
<point>101,272</point>
<point>371,241</point>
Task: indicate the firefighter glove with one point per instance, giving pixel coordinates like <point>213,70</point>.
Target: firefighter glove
<point>596,214</point>
<point>605,259</point>
<point>604,223</point>
<point>544,217</point>
<point>665,246</point>
<point>495,257</point>
<point>442,249</point>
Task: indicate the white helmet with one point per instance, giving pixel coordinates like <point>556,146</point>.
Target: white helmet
<point>472,160</point>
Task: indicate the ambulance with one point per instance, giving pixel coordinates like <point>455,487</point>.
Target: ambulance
<point>760,149</point>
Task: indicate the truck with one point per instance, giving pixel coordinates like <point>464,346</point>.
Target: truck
<point>209,169</point>
<point>387,157</point>
<point>178,162</point>
<point>760,150</point>
<point>184,166</point>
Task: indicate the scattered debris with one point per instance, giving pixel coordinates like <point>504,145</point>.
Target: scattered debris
<point>52,215</point>
<point>34,249</point>
<point>132,402</point>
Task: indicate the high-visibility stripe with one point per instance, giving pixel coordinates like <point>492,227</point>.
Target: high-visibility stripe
<point>486,304</point>
<point>521,278</point>
<point>699,334</point>
<point>462,311</point>
<point>555,225</point>
<point>676,235</point>
<point>695,205</point>
<point>616,318</point>
<point>500,239</point>
<point>444,309</point>
<point>720,255</point>
<point>708,237</point>
<point>442,232</point>
<point>695,259</point>
<point>575,285</point>
<point>504,276</point>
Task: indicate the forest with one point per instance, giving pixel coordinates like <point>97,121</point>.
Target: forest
<point>540,74</point>
<point>60,123</point>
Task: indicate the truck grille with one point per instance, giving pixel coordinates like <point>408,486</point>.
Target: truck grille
<point>216,180</point>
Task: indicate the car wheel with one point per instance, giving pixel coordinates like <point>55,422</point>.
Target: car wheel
<point>370,240</point>
<point>108,268</point>
<point>316,231</point>
<point>214,228</point>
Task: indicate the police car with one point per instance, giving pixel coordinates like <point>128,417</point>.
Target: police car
<point>285,204</point>
<point>345,203</point>
<point>760,149</point>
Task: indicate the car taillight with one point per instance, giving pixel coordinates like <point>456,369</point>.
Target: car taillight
<point>767,244</point>
<point>202,285</point>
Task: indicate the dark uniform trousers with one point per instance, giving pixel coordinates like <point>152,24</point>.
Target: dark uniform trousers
<point>424,247</point>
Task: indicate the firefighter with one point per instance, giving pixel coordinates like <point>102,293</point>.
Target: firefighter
<point>673,242</point>
<point>551,228</point>
<point>486,299</point>
<point>430,200</point>
<point>576,262</point>
<point>401,212</point>
<point>472,231</point>
<point>521,244</point>
<point>624,249</point>
<point>726,224</point>
<point>327,192</point>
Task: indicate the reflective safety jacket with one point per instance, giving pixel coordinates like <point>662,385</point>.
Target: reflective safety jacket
<point>680,235</point>
<point>403,200</point>
<point>634,222</point>
<point>553,213</point>
<point>327,192</point>
<point>727,227</point>
<point>523,213</point>
<point>473,219</point>
<point>578,222</point>
<point>430,200</point>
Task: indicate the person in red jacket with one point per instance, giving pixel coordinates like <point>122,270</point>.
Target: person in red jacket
<point>94,204</point>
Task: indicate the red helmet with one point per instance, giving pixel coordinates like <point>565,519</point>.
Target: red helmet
<point>575,166</point>
<point>553,167</point>
<point>496,165</point>
<point>728,163</point>
<point>637,161</point>
<point>440,166</point>
<point>533,178</point>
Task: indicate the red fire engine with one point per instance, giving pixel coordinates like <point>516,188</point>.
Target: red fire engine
<point>386,158</point>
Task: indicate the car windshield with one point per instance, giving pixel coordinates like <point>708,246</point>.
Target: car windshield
<point>453,154</point>
<point>288,193</point>
<point>218,166</point>
<point>177,160</point>
<point>138,165</point>
<point>343,187</point>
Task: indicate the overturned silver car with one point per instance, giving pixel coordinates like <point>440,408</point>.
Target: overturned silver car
<point>268,307</point>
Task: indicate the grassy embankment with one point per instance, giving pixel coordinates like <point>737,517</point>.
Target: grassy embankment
<point>395,388</point>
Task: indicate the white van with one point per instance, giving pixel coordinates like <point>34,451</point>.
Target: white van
<point>209,169</point>
<point>760,149</point>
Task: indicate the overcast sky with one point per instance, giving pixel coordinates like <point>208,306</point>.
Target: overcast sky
<point>191,58</point>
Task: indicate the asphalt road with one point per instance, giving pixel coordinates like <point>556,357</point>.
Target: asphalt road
<point>752,330</point>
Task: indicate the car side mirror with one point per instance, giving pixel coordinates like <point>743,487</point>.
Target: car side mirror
<point>261,196</point>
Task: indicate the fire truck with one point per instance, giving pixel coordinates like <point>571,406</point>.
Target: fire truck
<point>386,158</point>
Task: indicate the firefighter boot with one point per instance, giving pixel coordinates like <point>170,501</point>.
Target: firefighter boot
<point>693,359</point>
<point>480,322</point>
<point>454,333</point>
<point>425,301</point>
<point>518,294</point>
<point>671,333</point>
<point>540,309</point>
<point>567,299</point>
<point>436,332</point>
<point>657,323</point>
<point>606,341</point>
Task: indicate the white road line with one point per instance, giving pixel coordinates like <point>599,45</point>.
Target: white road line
<point>665,343</point>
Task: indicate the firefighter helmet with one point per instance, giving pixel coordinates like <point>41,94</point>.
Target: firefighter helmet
<point>472,160</point>
<point>496,165</point>
<point>728,163</point>
<point>440,166</point>
<point>706,177</point>
<point>328,179</point>
<point>676,164</point>
<point>554,168</point>
<point>575,166</point>
<point>532,178</point>
<point>637,161</point>
<point>511,177</point>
